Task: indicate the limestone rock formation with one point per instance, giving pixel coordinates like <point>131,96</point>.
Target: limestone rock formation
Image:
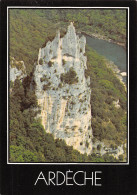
<point>17,69</point>
<point>63,91</point>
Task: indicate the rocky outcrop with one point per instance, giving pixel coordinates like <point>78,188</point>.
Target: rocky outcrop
<point>17,69</point>
<point>63,91</point>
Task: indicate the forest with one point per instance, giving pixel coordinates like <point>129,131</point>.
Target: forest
<point>28,140</point>
<point>29,29</point>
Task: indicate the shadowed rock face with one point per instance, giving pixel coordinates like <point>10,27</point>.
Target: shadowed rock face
<point>63,92</point>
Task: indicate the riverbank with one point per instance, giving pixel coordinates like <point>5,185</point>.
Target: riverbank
<point>98,36</point>
<point>116,71</point>
<point>114,56</point>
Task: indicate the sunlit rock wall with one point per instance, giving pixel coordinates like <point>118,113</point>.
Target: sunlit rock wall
<point>63,92</point>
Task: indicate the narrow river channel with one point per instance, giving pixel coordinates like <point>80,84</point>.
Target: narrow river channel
<point>111,51</point>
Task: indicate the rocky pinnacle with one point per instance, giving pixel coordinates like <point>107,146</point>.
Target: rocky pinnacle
<point>63,91</point>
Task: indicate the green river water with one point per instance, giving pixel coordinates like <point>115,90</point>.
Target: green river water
<point>111,51</point>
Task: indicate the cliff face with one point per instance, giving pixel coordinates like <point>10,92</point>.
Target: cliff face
<point>17,69</point>
<point>63,92</point>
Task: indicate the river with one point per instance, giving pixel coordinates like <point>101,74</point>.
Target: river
<point>111,51</point>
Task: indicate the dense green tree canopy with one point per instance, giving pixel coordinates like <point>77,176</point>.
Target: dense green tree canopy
<point>30,30</point>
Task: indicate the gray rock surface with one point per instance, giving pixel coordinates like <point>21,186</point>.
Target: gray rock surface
<point>63,91</point>
<point>17,69</point>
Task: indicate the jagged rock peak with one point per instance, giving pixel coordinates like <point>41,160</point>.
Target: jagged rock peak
<point>63,91</point>
<point>69,45</point>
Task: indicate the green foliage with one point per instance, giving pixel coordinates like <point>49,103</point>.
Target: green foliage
<point>16,64</point>
<point>29,29</point>
<point>20,154</point>
<point>28,140</point>
<point>47,86</point>
<point>11,84</point>
<point>69,77</point>
<point>40,61</point>
<point>108,122</point>
<point>60,85</point>
<point>86,73</point>
<point>62,32</point>
<point>121,157</point>
<point>63,62</point>
<point>87,144</point>
<point>113,146</point>
<point>49,38</point>
<point>99,147</point>
<point>109,158</point>
<point>44,78</point>
<point>109,23</point>
<point>50,64</point>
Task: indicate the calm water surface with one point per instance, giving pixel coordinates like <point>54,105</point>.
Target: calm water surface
<point>111,51</point>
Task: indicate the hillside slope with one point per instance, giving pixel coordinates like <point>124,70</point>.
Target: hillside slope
<point>31,29</point>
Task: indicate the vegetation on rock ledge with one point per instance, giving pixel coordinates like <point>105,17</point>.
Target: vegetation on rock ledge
<point>29,29</point>
<point>69,77</point>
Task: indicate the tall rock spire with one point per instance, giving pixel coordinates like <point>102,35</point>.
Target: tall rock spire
<point>63,91</point>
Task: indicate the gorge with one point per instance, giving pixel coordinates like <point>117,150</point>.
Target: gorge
<point>66,103</point>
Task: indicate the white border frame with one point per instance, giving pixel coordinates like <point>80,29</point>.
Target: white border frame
<point>28,7</point>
